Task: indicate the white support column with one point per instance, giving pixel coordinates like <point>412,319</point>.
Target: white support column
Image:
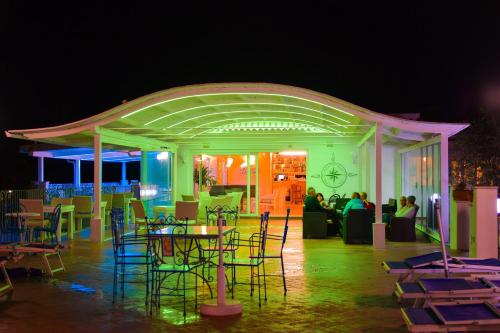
<point>77,178</point>
<point>445,195</point>
<point>257,183</point>
<point>249,188</point>
<point>41,171</point>
<point>367,162</point>
<point>173,177</point>
<point>399,176</point>
<point>360,168</point>
<point>97,223</point>
<point>378,226</point>
<point>124,174</point>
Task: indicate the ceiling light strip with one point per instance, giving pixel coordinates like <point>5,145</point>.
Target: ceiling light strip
<point>240,93</point>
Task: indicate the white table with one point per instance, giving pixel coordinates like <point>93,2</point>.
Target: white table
<point>21,217</point>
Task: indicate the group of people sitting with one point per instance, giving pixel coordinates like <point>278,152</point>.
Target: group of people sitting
<point>407,207</point>
<point>315,202</point>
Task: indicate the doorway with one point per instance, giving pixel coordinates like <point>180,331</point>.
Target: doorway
<point>270,181</point>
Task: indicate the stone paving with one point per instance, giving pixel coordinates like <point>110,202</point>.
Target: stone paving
<point>332,287</point>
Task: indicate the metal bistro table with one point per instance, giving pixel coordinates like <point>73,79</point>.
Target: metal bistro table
<point>196,233</point>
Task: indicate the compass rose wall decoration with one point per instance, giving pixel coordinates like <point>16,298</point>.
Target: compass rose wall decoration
<point>334,174</point>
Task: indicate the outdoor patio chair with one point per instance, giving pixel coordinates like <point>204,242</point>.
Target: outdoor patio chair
<point>186,210</point>
<point>216,202</point>
<point>62,201</point>
<point>357,227</point>
<point>120,202</point>
<point>174,256</point>
<point>458,316</point>
<point>128,252</point>
<point>108,197</point>
<point>140,218</point>
<point>204,201</point>
<point>188,197</point>
<point>83,209</point>
<point>33,206</point>
<point>402,229</point>
<point>50,229</point>
<point>274,238</point>
<point>256,245</point>
<point>314,225</point>
<point>236,201</point>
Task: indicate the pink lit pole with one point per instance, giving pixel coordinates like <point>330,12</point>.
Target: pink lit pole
<point>221,307</point>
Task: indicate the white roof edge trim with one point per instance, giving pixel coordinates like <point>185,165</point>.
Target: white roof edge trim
<point>235,88</point>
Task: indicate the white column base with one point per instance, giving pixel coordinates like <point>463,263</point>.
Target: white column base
<point>229,308</point>
<point>97,230</point>
<point>378,235</point>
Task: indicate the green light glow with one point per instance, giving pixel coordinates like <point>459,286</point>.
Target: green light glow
<point>287,112</point>
<point>230,104</point>
<point>267,126</point>
<point>253,118</point>
<point>241,93</point>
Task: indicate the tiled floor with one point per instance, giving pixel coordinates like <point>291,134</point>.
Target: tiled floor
<point>332,287</point>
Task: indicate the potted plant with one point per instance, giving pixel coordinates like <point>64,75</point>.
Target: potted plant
<point>206,179</point>
<point>460,192</point>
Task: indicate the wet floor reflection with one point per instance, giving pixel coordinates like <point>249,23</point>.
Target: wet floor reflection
<point>332,287</point>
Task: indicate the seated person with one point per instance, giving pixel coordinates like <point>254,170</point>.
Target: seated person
<point>408,210</point>
<point>311,203</point>
<point>322,201</point>
<point>354,203</point>
<point>367,204</point>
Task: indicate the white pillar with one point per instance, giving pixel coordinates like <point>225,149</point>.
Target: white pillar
<point>484,226</point>
<point>77,173</point>
<point>124,174</point>
<point>249,188</point>
<point>378,226</point>
<point>360,168</point>
<point>97,225</point>
<point>445,196</point>
<point>173,177</point>
<point>256,183</point>
<point>367,162</point>
<point>41,172</point>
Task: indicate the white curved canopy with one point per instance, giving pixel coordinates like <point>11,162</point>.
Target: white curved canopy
<point>233,111</point>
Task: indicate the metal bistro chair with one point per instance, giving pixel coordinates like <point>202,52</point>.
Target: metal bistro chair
<point>172,259</point>
<point>210,249</point>
<point>282,239</point>
<point>123,246</point>
<point>51,228</point>
<point>257,251</point>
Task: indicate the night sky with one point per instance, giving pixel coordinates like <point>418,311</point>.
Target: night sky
<point>60,63</point>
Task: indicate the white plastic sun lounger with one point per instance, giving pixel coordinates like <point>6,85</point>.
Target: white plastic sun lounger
<point>6,286</point>
<point>459,316</point>
<point>45,251</point>
<point>432,263</point>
